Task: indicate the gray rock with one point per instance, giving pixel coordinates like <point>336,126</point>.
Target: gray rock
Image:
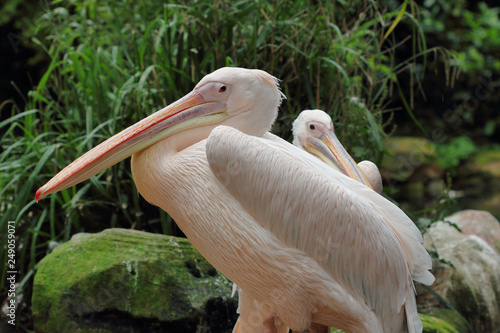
<point>472,285</point>
<point>484,162</point>
<point>130,281</point>
<point>479,223</point>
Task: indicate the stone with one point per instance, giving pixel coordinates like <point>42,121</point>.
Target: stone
<point>408,154</point>
<point>478,179</point>
<point>130,281</point>
<point>471,284</point>
<point>480,223</point>
<point>485,162</point>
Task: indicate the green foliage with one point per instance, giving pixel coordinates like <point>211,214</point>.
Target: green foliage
<point>440,209</point>
<point>471,31</point>
<point>456,150</point>
<point>13,8</point>
<point>113,63</point>
<point>473,36</point>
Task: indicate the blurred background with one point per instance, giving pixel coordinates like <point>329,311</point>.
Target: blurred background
<point>413,86</point>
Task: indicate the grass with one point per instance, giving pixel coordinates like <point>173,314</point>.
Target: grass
<point>113,63</point>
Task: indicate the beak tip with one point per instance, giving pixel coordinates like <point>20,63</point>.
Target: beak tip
<point>39,194</point>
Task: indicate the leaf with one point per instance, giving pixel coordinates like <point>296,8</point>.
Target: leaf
<point>16,117</point>
<point>396,21</point>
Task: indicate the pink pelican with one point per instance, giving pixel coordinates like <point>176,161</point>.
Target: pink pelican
<point>313,131</point>
<point>309,244</point>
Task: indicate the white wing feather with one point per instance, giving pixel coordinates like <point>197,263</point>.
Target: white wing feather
<point>357,236</point>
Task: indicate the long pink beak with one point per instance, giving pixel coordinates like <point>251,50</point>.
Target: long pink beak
<point>335,154</point>
<point>146,132</point>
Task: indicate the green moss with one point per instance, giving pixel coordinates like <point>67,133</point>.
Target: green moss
<point>436,325</point>
<point>456,150</point>
<point>488,161</point>
<point>441,321</point>
<point>462,296</point>
<point>406,154</point>
<point>488,156</point>
<point>469,303</point>
<point>451,317</point>
<point>144,275</point>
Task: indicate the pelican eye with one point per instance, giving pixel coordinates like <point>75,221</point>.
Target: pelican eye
<point>222,89</point>
<point>312,127</point>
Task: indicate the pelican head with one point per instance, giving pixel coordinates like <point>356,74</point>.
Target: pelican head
<point>246,99</point>
<point>314,132</point>
<point>309,124</point>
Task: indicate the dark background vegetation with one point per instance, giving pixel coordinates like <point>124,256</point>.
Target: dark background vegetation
<point>75,73</point>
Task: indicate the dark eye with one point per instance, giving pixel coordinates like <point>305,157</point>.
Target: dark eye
<point>312,127</point>
<point>222,89</point>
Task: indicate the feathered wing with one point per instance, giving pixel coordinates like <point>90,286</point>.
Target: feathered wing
<point>347,228</point>
<point>411,238</point>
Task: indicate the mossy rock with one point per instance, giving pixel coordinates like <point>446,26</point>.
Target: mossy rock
<point>486,162</point>
<point>406,155</point>
<point>431,325</point>
<point>436,325</point>
<point>471,284</point>
<point>130,281</point>
<point>444,320</point>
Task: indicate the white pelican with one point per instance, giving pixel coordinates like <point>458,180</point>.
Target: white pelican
<point>309,244</point>
<point>313,131</point>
